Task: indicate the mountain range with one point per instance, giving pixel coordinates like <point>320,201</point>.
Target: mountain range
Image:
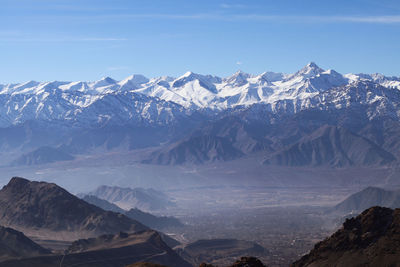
<point>140,97</point>
<point>197,119</point>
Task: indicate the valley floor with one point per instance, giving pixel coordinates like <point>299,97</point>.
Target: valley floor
<point>282,209</point>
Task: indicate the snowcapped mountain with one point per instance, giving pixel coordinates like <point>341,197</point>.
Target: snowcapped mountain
<point>162,100</point>
<point>202,118</point>
<point>84,103</point>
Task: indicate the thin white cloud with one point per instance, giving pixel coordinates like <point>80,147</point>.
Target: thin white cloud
<point>258,17</point>
<point>230,6</point>
<point>56,39</point>
<point>393,19</point>
<point>314,19</point>
<point>368,19</point>
<point>239,63</point>
<point>102,39</point>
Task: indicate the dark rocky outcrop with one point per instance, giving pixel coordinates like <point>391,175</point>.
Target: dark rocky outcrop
<point>211,250</point>
<point>242,262</point>
<point>145,264</point>
<point>109,251</point>
<point>248,262</point>
<point>370,239</point>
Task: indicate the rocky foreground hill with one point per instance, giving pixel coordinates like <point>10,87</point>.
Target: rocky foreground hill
<point>109,251</point>
<point>49,211</point>
<point>14,244</point>
<point>370,239</point>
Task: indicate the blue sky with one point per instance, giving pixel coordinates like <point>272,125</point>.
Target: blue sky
<point>88,39</point>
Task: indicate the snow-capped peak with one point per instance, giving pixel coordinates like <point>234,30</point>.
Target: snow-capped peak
<point>238,79</point>
<point>270,76</point>
<point>310,70</point>
<point>187,74</point>
<point>239,74</point>
<point>105,81</point>
<point>205,81</point>
<point>135,79</point>
<point>133,82</point>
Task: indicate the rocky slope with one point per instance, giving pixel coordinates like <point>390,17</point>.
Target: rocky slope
<point>148,219</point>
<point>47,210</point>
<point>110,250</point>
<point>332,146</point>
<point>369,197</point>
<point>127,198</point>
<point>103,204</point>
<point>14,244</point>
<point>242,262</point>
<point>145,264</point>
<point>370,239</point>
<point>196,150</point>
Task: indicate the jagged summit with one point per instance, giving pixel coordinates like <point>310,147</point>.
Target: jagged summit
<point>132,82</point>
<point>105,81</point>
<point>239,78</point>
<point>312,65</point>
<point>187,74</point>
<point>135,79</point>
<point>270,76</point>
<point>16,183</point>
<point>310,70</point>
